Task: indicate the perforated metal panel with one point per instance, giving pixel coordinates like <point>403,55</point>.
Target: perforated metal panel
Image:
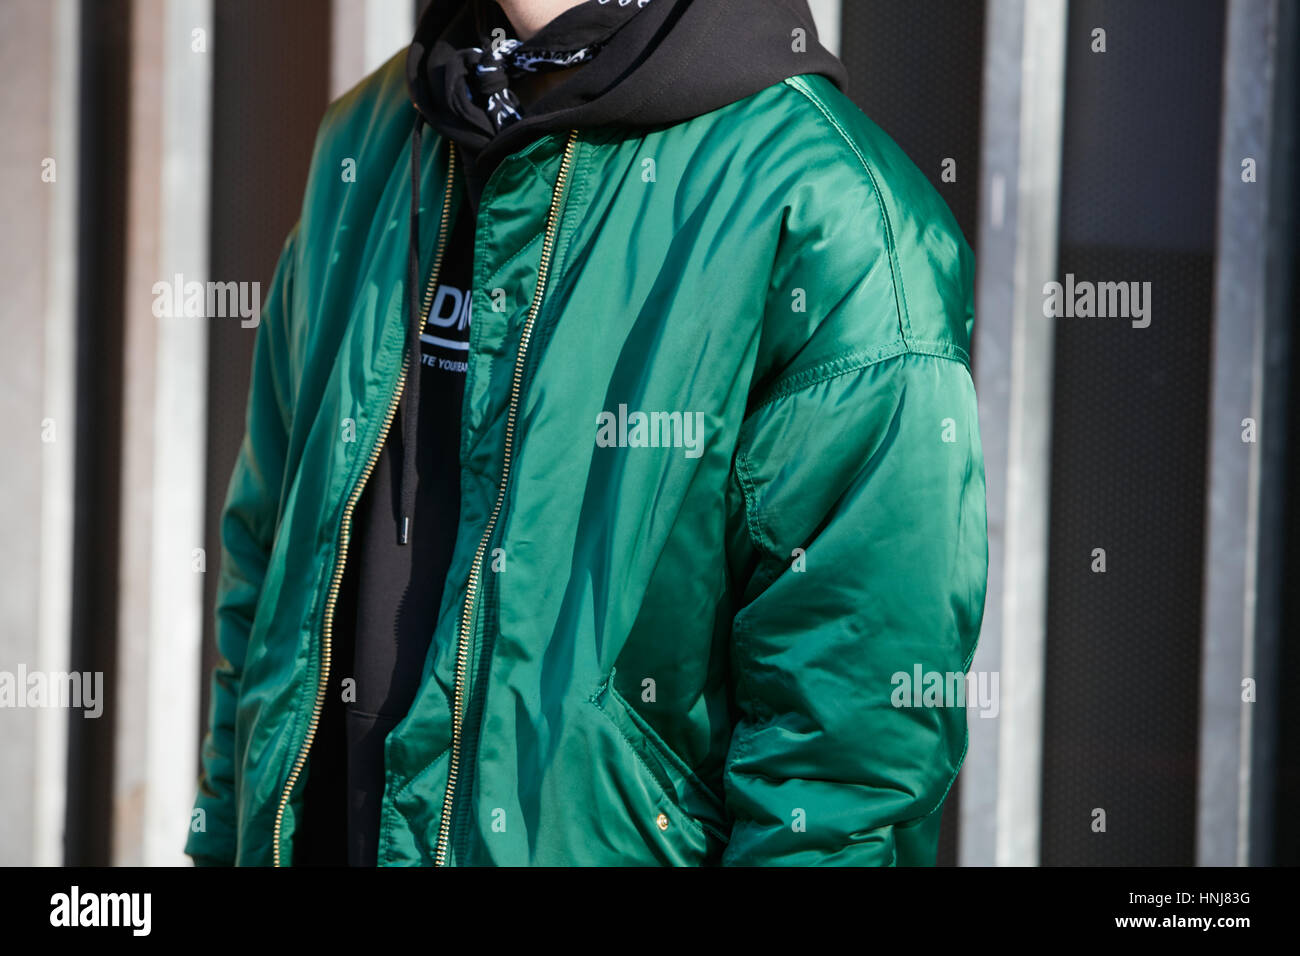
<point>1139,183</point>
<point>1286,797</point>
<point>1285,846</point>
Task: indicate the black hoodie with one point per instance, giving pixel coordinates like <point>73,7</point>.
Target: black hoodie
<point>670,61</point>
<point>674,60</point>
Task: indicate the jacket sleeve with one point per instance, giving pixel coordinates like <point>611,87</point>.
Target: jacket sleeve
<point>248,523</point>
<point>860,561</point>
<point>864,493</point>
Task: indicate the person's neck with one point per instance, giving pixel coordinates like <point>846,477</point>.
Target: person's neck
<point>529,16</point>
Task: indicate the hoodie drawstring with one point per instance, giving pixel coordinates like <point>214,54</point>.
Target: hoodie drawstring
<point>411,395</point>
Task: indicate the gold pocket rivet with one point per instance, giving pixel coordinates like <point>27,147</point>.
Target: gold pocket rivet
<point>661,821</point>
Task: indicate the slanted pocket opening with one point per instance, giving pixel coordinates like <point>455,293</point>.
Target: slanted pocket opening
<point>691,802</point>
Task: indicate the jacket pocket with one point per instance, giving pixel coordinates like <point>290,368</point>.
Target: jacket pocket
<point>686,798</point>
<point>410,815</point>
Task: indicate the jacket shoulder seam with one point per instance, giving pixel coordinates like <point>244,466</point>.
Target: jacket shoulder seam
<point>800,84</point>
<point>856,361</point>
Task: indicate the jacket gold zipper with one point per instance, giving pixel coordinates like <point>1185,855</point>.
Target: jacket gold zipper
<point>476,569</point>
<point>345,529</point>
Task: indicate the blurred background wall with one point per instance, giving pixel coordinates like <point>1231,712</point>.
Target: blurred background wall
<point>1141,718</point>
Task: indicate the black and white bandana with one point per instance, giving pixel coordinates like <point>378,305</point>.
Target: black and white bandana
<point>574,37</point>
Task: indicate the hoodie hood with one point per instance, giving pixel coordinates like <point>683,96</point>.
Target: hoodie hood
<point>670,61</point>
